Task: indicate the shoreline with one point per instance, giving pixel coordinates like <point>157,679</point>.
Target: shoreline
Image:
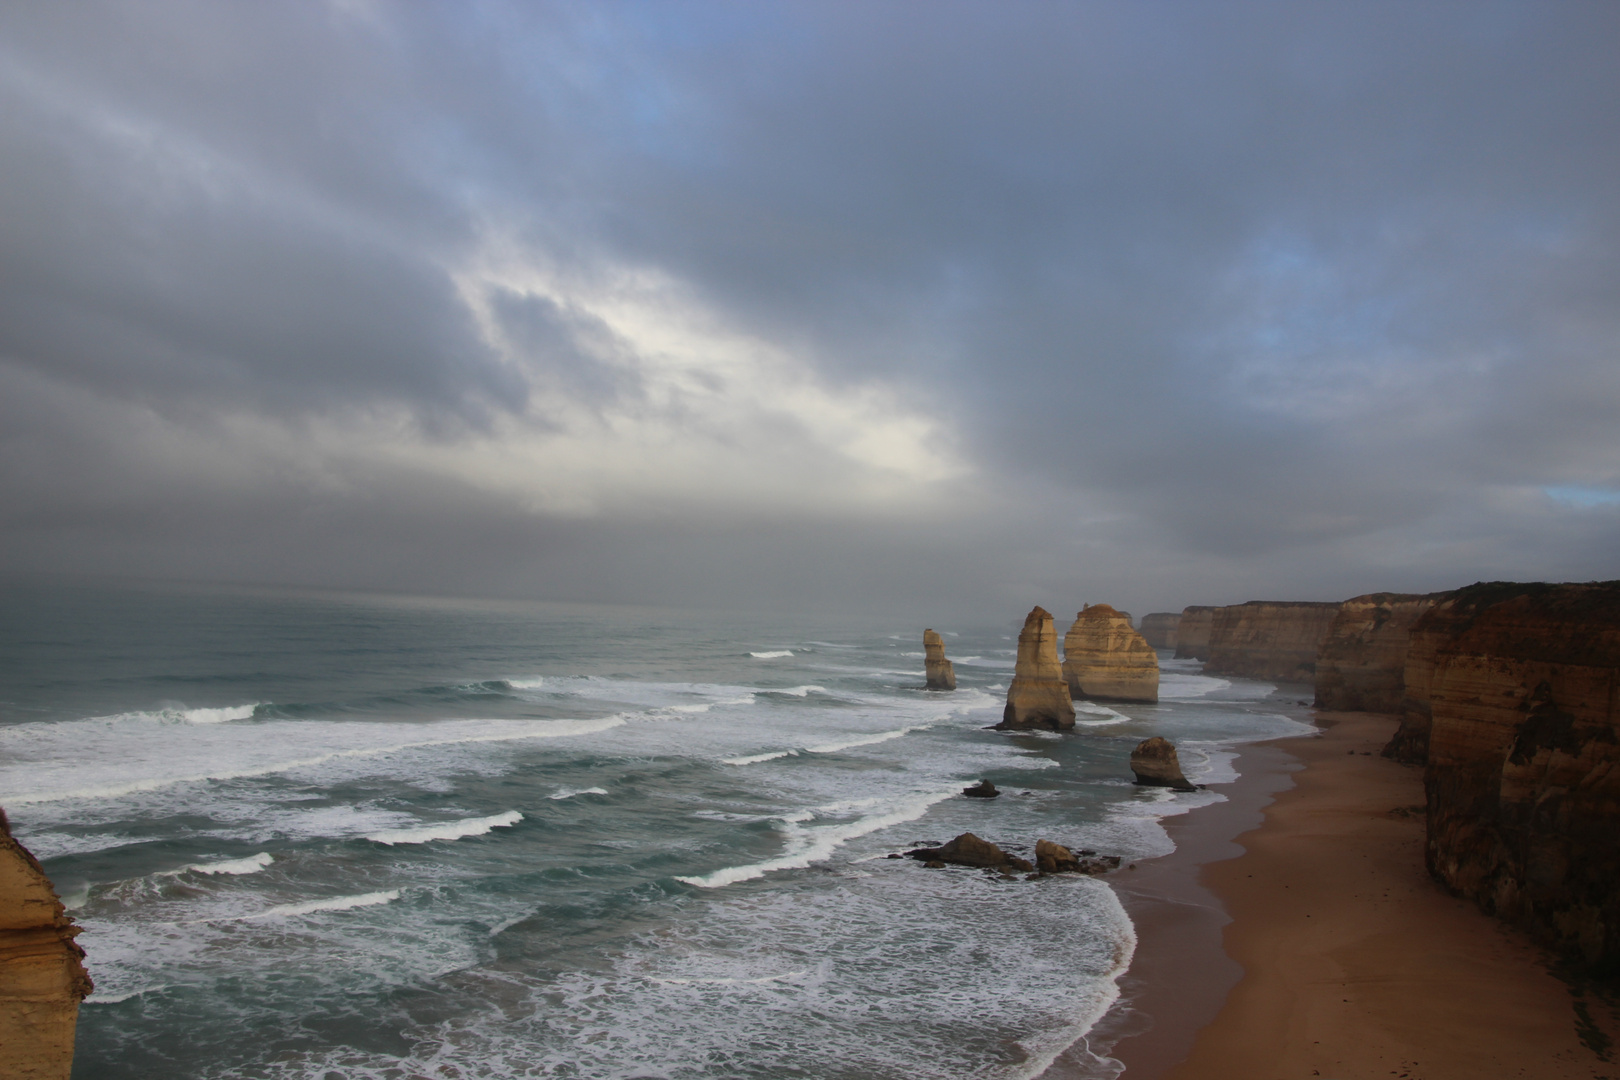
<point>1294,932</point>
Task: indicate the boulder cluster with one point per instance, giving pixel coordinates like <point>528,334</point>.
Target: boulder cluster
<point>1050,858</point>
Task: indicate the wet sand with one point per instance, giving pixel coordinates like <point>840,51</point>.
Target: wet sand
<point>1317,945</point>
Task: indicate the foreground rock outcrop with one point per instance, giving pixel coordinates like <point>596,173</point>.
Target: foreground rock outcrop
<point>1155,764</point>
<point>1269,639</point>
<point>941,672</point>
<point>970,850</point>
<point>1361,666</point>
<point>1053,858</point>
<point>1039,695</point>
<point>42,977</point>
<point>1192,632</point>
<point>1159,628</point>
<point>1523,773</point>
<point>1104,659</point>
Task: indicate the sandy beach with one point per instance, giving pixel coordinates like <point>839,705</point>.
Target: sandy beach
<point>1316,945</point>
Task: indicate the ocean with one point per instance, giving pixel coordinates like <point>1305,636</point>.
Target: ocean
<point>333,837</point>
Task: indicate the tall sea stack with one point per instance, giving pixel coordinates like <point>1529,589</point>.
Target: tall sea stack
<point>1105,660</point>
<point>1192,632</point>
<point>42,979</point>
<point>941,672</point>
<point>1039,695</point>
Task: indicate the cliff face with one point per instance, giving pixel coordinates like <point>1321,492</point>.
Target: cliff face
<point>941,672</point>
<point>1104,659</point>
<point>1361,666</point>
<point>1268,639</point>
<point>1192,633</point>
<point>1159,629</point>
<point>1039,695</point>
<point>41,978</point>
<point>1432,633</point>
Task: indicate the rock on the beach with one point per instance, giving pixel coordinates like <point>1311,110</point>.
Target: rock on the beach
<point>1053,858</point>
<point>970,850</point>
<point>42,977</point>
<point>1104,659</point>
<point>941,672</point>
<point>1155,764</point>
<point>1192,632</point>
<point>984,789</point>
<point>1269,639</point>
<point>1159,628</point>
<point>1039,695</point>
<point>1361,666</point>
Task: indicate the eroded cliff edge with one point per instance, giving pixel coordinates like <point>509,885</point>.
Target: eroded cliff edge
<point>42,976</point>
<point>1523,772</point>
<point>1268,639</point>
<point>1361,666</point>
<point>1159,628</point>
<point>1192,632</point>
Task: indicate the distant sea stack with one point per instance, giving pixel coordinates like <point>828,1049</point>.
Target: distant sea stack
<point>1159,629</point>
<point>1105,660</point>
<point>941,672</point>
<point>1039,695</point>
<point>42,978</point>
<point>1268,639</point>
<point>1192,632</point>
<point>1361,666</point>
<point>1523,774</point>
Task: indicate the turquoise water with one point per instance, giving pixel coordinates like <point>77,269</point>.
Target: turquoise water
<point>343,837</point>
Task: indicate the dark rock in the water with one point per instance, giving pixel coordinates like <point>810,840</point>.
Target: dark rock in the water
<point>933,864</point>
<point>1039,694</point>
<point>941,672</point>
<point>984,789</point>
<point>1155,764</point>
<point>1053,858</point>
<point>969,850</point>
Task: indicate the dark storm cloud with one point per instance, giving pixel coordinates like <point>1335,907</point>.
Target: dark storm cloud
<point>1222,300</point>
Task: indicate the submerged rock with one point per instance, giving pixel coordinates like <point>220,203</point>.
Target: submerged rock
<point>1155,764</point>
<point>1039,695</point>
<point>984,789</point>
<point>941,672</point>
<point>970,850</point>
<point>1104,659</point>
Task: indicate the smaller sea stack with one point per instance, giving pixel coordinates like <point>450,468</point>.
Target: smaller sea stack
<point>941,672</point>
<point>1159,628</point>
<point>1039,695</point>
<point>1155,764</point>
<point>1105,660</point>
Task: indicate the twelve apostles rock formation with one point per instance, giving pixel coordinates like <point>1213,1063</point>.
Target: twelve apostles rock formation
<point>1361,666</point>
<point>941,672</point>
<point>1039,695</point>
<point>1192,632</point>
<point>1523,776</point>
<point>42,979</point>
<point>1105,660</point>
<point>1155,764</point>
<point>1159,629</point>
<point>1268,639</point>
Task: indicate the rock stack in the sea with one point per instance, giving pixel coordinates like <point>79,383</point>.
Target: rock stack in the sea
<point>970,850</point>
<point>1192,632</point>
<point>1104,659</point>
<point>941,672</point>
<point>1159,628</point>
<point>1155,764</point>
<point>1039,695</point>
<point>1361,666</point>
<point>984,789</point>
<point>1522,688</point>
<point>1269,639</point>
<point>42,977</point>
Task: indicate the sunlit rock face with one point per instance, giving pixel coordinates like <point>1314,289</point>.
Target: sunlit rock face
<point>42,978</point>
<point>1523,773</point>
<point>1159,629</point>
<point>941,672</point>
<point>1192,632</point>
<point>1039,695</point>
<point>1361,666</point>
<point>1105,660</point>
<point>1269,639</point>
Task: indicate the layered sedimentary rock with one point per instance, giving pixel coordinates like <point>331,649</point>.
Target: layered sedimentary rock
<point>1039,695</point>
<point>1192,632</point>
<point>1105,660</point>
<point>941,672</point>
<point>1523,774</point>
<point>1269,639</point>
<point>42,978</point>
<point>1159,629</point>
<point>1154,763</point>
<point>1361,666</point>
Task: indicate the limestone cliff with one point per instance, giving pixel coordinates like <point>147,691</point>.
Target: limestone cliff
<point>1268,639</point>
<point>1523,774</point>
<point>42,979</point>
<point>941,672</point>
<point>1361,666</point>
<point>1159,629</point>
<point>1039,695</point>
<point>1105,660</point>
<point>1192,633</point>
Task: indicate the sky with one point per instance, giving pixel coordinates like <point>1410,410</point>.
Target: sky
<point>934,307</point>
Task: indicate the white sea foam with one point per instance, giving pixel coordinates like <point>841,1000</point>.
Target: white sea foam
<point>797,691</point>
<point>310,907</point>
<point>235,867</point>
<point>98,998</point>
<point>526,684</point>
<point>569,793</point>
<point>446,830</point>
<point>179,714</point>
<point>754,759</point>
<point>865,740</point>
<point>772,654</point>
